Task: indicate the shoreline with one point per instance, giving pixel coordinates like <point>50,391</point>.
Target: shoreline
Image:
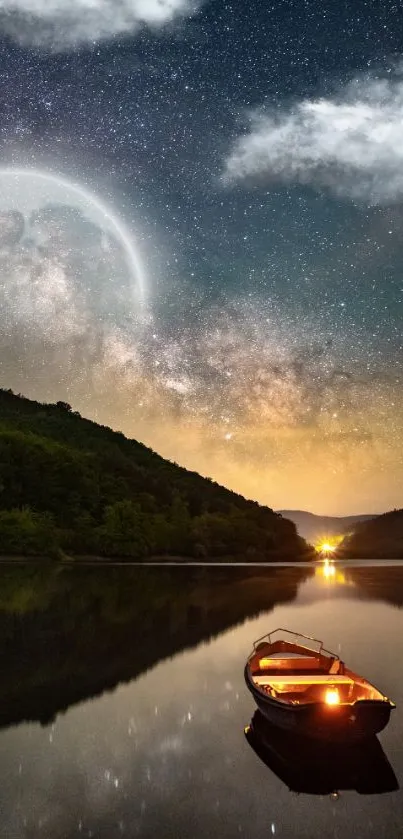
<point>158,562</point>
<point>152,561</point>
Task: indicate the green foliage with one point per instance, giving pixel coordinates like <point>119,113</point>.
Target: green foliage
<point>69,483</point>
<point>233,534</point>
<point>125,531</point>
<point>26,532</point>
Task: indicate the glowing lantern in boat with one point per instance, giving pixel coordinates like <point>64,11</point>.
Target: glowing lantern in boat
<point>332,697</point>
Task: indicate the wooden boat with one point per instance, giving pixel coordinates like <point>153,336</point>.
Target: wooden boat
<point>320,767</point>
<point>300,686</point>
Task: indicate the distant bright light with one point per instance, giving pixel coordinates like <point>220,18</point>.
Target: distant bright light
<point>327,547</point>
<point>332,697</point>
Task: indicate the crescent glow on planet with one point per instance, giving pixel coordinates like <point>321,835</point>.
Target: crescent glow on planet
<point>48,188</point>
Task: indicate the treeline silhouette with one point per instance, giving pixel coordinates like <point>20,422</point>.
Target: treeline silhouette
<point>70,485</point>
<point>379,538</point>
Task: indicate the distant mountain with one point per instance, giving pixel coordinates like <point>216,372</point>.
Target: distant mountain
<point>68,484</point>
<point>379,538</point>
<point>315,528</point>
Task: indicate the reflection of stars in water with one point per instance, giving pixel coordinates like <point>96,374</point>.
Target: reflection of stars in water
<point>110,778</point>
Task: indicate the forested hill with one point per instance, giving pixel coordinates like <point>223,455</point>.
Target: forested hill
<point>379,538</point>
<point>68,484</point>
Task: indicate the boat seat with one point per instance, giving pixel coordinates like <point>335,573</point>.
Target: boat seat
<point>291,662</point>
<point>319,679</point>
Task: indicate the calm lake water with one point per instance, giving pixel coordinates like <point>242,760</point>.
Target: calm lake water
<point>123,703</point>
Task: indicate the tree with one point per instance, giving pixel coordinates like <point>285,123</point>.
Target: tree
<point>26,532</point>
<point>124,530</point>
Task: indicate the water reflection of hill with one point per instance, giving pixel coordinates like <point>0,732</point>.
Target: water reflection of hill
<point>346,581</point>
<point>378,583</point>
<point>72,633</point>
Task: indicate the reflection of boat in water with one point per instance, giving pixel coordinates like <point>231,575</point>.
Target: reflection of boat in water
<point>321,768</point>
<point>311,691</point>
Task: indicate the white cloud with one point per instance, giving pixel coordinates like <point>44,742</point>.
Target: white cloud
<point>62,24</point>
<point>351,143</point>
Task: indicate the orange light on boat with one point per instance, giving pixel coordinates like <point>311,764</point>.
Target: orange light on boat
<point>332,697</point>
<point>266,662</point>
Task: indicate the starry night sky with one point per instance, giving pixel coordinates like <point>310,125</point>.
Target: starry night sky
<point>253,153</point>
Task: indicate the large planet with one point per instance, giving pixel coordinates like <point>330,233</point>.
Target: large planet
<point>68,264</point>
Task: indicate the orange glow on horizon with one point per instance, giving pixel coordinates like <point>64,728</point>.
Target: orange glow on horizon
<point>327,547</point>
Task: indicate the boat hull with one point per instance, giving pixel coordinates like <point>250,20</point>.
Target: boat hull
<point>363,719</point>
